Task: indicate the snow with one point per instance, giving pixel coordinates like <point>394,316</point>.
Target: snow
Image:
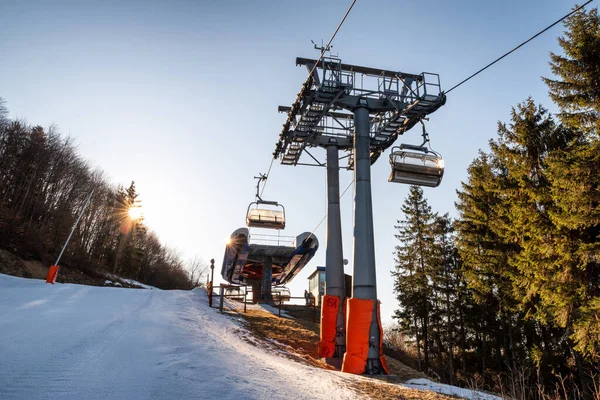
<point>72,341</point>
<point>426,384</point>
<point>134,282</point>
<point>114,280</point>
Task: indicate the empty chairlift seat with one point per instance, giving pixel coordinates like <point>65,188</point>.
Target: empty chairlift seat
<point>416,165</point>
<point>265,214</point>
<point>281,293</point>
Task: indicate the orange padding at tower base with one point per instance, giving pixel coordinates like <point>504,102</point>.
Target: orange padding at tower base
<point>329,310</point>
<point>381,356</point>
<point>52,274</point>
<point>358,325</point>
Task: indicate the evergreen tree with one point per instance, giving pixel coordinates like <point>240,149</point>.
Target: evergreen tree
<point>485,261</point>
<point>446,281</point>
<point>130,247</point>
<point>413,262</point>
<point>573,285</point>
<point>522,148</point>
<point>577,87</point>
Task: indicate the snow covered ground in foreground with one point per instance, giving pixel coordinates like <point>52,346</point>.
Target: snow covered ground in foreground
<point>115,280</point>
<point>68,341</point>
<point>426,384</point>
<point>83,342</point>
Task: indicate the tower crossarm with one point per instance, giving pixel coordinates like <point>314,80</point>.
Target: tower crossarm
<point>323,112</point>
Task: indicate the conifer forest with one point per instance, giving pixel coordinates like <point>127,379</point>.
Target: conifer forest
<point>507,296</point>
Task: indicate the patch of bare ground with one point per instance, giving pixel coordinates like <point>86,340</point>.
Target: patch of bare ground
<point>298,339</point>
<point>11,264</point>
<point>373,389</point>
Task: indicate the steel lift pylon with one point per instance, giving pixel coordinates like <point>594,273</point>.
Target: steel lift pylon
<point>360,111</point>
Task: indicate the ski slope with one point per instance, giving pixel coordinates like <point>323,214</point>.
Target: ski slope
<point>82,342</point>
<point>68,341</point>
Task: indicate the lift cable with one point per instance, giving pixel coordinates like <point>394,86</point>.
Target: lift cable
<point>267,177</point>
<point>325,216</point>
<point>522,44</point>
<point>455,86</point>
<point>327,46</point>
<point>323,51</point>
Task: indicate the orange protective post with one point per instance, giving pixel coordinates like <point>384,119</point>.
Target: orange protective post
<point>381,356</point>
<point>52,274</point>
<point>358,325</point>
<point>329,311</point>
<point>345,311</point>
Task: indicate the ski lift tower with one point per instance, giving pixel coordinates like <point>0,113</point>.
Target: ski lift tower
<point>360,111</point>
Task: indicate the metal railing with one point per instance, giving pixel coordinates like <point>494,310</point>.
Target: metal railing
<point>243,297</point>
<point>264,239</point>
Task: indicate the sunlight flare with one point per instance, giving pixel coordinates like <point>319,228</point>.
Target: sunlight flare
<point>135,213</point>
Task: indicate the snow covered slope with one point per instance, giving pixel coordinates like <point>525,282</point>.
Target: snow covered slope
<point>72,341</point>
<point>83,342</point>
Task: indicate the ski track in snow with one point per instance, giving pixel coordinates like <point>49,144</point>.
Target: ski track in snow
<point>81,342</point>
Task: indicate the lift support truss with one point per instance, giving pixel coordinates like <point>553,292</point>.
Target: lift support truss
<point>322,113</point>
<point>360,111</point>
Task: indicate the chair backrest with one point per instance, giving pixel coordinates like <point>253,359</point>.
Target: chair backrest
<point>413,167</point>
<point>265,218</point>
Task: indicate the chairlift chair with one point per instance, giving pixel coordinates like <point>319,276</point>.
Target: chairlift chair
<point>416,165</point>
<point>281,293</point>
<point>265,214</point>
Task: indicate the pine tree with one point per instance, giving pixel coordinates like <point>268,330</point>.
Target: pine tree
<point>413,261</point>
<point>481,249</point>
<point>577,87</point>
<point>130,241</point>
<point>485,256</point>
<point>573,294</point>
<point>446,279</point>
<point>523,147</point>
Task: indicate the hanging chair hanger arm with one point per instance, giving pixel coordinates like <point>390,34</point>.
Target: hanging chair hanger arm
<point>260,178</point>
<point>425,134</point>
<point>422,146</point>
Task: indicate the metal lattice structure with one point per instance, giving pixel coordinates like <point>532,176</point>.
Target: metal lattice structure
<point>320,115</point>
<point>360,111</point>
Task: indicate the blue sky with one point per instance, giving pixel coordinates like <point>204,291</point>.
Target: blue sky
<point>182,97</point>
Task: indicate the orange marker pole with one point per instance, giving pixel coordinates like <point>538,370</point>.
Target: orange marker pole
<point>53,270</point>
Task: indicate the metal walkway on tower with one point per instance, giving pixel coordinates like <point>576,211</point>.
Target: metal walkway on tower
<point>321,115</point>
<point>360,111</point>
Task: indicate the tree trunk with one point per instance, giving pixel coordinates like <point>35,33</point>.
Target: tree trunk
<point>418,345</point>
<point>450,340</point>
<point>426,342</point>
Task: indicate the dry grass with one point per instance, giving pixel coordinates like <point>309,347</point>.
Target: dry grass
<point>403,372</point>
<point>11,264</point>
<point>298,339</point>
<point>36,269</point>
<point>388,391</point>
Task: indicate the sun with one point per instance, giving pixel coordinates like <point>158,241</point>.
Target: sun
<point>135,212</point>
